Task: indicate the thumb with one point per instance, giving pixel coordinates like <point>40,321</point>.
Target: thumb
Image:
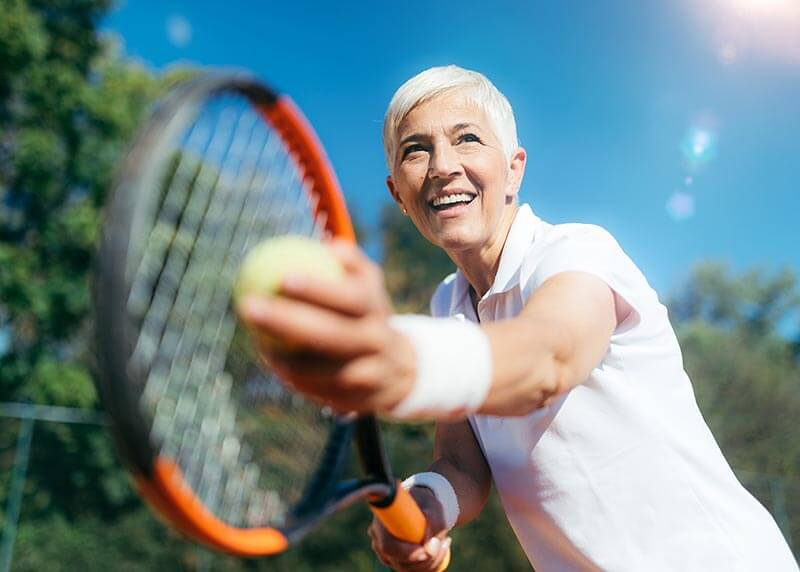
<point>433,546</point>
<point>438,544</point>
<point>439,559</point>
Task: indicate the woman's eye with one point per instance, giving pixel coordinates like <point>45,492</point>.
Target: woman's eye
<point>412,149</point>
<point>470,138</point>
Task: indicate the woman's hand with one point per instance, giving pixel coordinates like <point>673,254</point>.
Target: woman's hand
<point>406,557</point>
<point>343,352</point>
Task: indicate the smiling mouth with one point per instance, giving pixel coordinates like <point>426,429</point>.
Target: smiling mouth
<point>446,202</point>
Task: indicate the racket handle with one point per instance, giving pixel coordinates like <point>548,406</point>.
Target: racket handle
<point>404,520</point>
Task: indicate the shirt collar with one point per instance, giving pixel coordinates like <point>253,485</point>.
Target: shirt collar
<point>520,237</point>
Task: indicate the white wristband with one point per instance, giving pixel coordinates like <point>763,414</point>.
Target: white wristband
<point>442,490</point>
<point>454,367</point>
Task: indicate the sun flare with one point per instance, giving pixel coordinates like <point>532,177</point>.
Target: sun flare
<point>744,28</point>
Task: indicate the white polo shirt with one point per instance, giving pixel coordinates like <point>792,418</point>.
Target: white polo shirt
<point>622,472</point>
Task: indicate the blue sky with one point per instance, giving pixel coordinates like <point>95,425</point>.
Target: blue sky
<point>676,125</point>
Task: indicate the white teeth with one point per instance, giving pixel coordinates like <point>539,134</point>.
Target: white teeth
<point>450,199</point>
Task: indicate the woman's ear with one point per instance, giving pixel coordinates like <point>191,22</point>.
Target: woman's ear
<point>395,194</point>
<point>516,171</point>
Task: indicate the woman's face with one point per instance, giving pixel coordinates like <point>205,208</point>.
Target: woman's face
<point>451,175</point>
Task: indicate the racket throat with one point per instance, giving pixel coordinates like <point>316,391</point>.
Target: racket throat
<point>325,483</point>
<point>374,461</point>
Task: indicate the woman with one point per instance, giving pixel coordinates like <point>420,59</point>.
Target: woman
<point>560,377</point>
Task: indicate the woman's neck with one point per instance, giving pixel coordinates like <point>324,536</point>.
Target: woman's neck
<point>480,265</point>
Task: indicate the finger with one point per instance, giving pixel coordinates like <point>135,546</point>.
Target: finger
<point>430,558</point>
<point>344,385</point>
<point>310,377</point>
<point>360,266</point>
<point>350,256</point>
<point>425,564</point>
<point>399,555</point>
<point>443,554</point>
<point>421,565</point>
<point>351,296</point>
<point>433,546</point>
<point>308,327</point>
<point>399,551</point>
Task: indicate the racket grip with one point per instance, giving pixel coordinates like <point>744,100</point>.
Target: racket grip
<point>404,520</point>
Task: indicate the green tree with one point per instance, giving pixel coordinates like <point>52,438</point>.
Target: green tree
<point>68,104</point>
<point>739,336</point>
<point>413,266</point>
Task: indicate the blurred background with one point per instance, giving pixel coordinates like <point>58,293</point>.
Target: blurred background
<point>675,125</point>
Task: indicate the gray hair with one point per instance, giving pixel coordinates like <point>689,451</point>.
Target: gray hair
<point>435,81</point>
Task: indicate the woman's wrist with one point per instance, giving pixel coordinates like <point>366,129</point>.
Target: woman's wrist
<point>453,367</point>
<point>405,370</point>
<point>430,506</point>
<point>441,491</point>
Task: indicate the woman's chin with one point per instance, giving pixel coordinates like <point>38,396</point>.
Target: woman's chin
<point>457,242</point>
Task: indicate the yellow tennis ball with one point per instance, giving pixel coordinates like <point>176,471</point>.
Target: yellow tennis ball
<point>269,262</point>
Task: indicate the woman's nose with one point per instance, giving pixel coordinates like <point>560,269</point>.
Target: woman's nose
<point>443,162</point>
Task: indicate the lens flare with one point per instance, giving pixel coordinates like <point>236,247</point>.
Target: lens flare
<point>771,8</point>
<point>751,28</point>
<point>699,146</point>
<point>728,53</point>
<point>179,31</point>
<point>680,206</point>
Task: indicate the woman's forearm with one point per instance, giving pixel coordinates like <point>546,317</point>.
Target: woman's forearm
<point>471,492</point>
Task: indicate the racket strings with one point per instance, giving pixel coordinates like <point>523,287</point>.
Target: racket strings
<point>207,344</point>
<point>165,247</point>
<point>187,332</point>
<point>210,342</point>
<point>238,487</point>
<point>169,208</point>
<point>162,328</point>
<point>231,184</point>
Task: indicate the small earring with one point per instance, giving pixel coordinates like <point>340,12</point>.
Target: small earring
<point>405,212</point>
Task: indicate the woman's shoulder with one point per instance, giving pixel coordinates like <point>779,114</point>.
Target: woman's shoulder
<point>576,232</point>
<point>558,244</point>
<point>443,296</point>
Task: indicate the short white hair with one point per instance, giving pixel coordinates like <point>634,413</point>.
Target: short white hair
<point>435,81</point>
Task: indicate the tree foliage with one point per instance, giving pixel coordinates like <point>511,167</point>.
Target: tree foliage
<point>739,348</point>
<point>739,336</point>
<point>413,267</point>
<point>68,104</point>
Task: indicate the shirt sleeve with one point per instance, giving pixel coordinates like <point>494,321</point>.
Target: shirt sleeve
<point>590,249</point>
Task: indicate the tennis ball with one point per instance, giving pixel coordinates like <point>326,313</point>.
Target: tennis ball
<point>269,262</point>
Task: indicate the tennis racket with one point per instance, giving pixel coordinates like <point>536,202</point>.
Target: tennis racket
<point>215,443</point>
